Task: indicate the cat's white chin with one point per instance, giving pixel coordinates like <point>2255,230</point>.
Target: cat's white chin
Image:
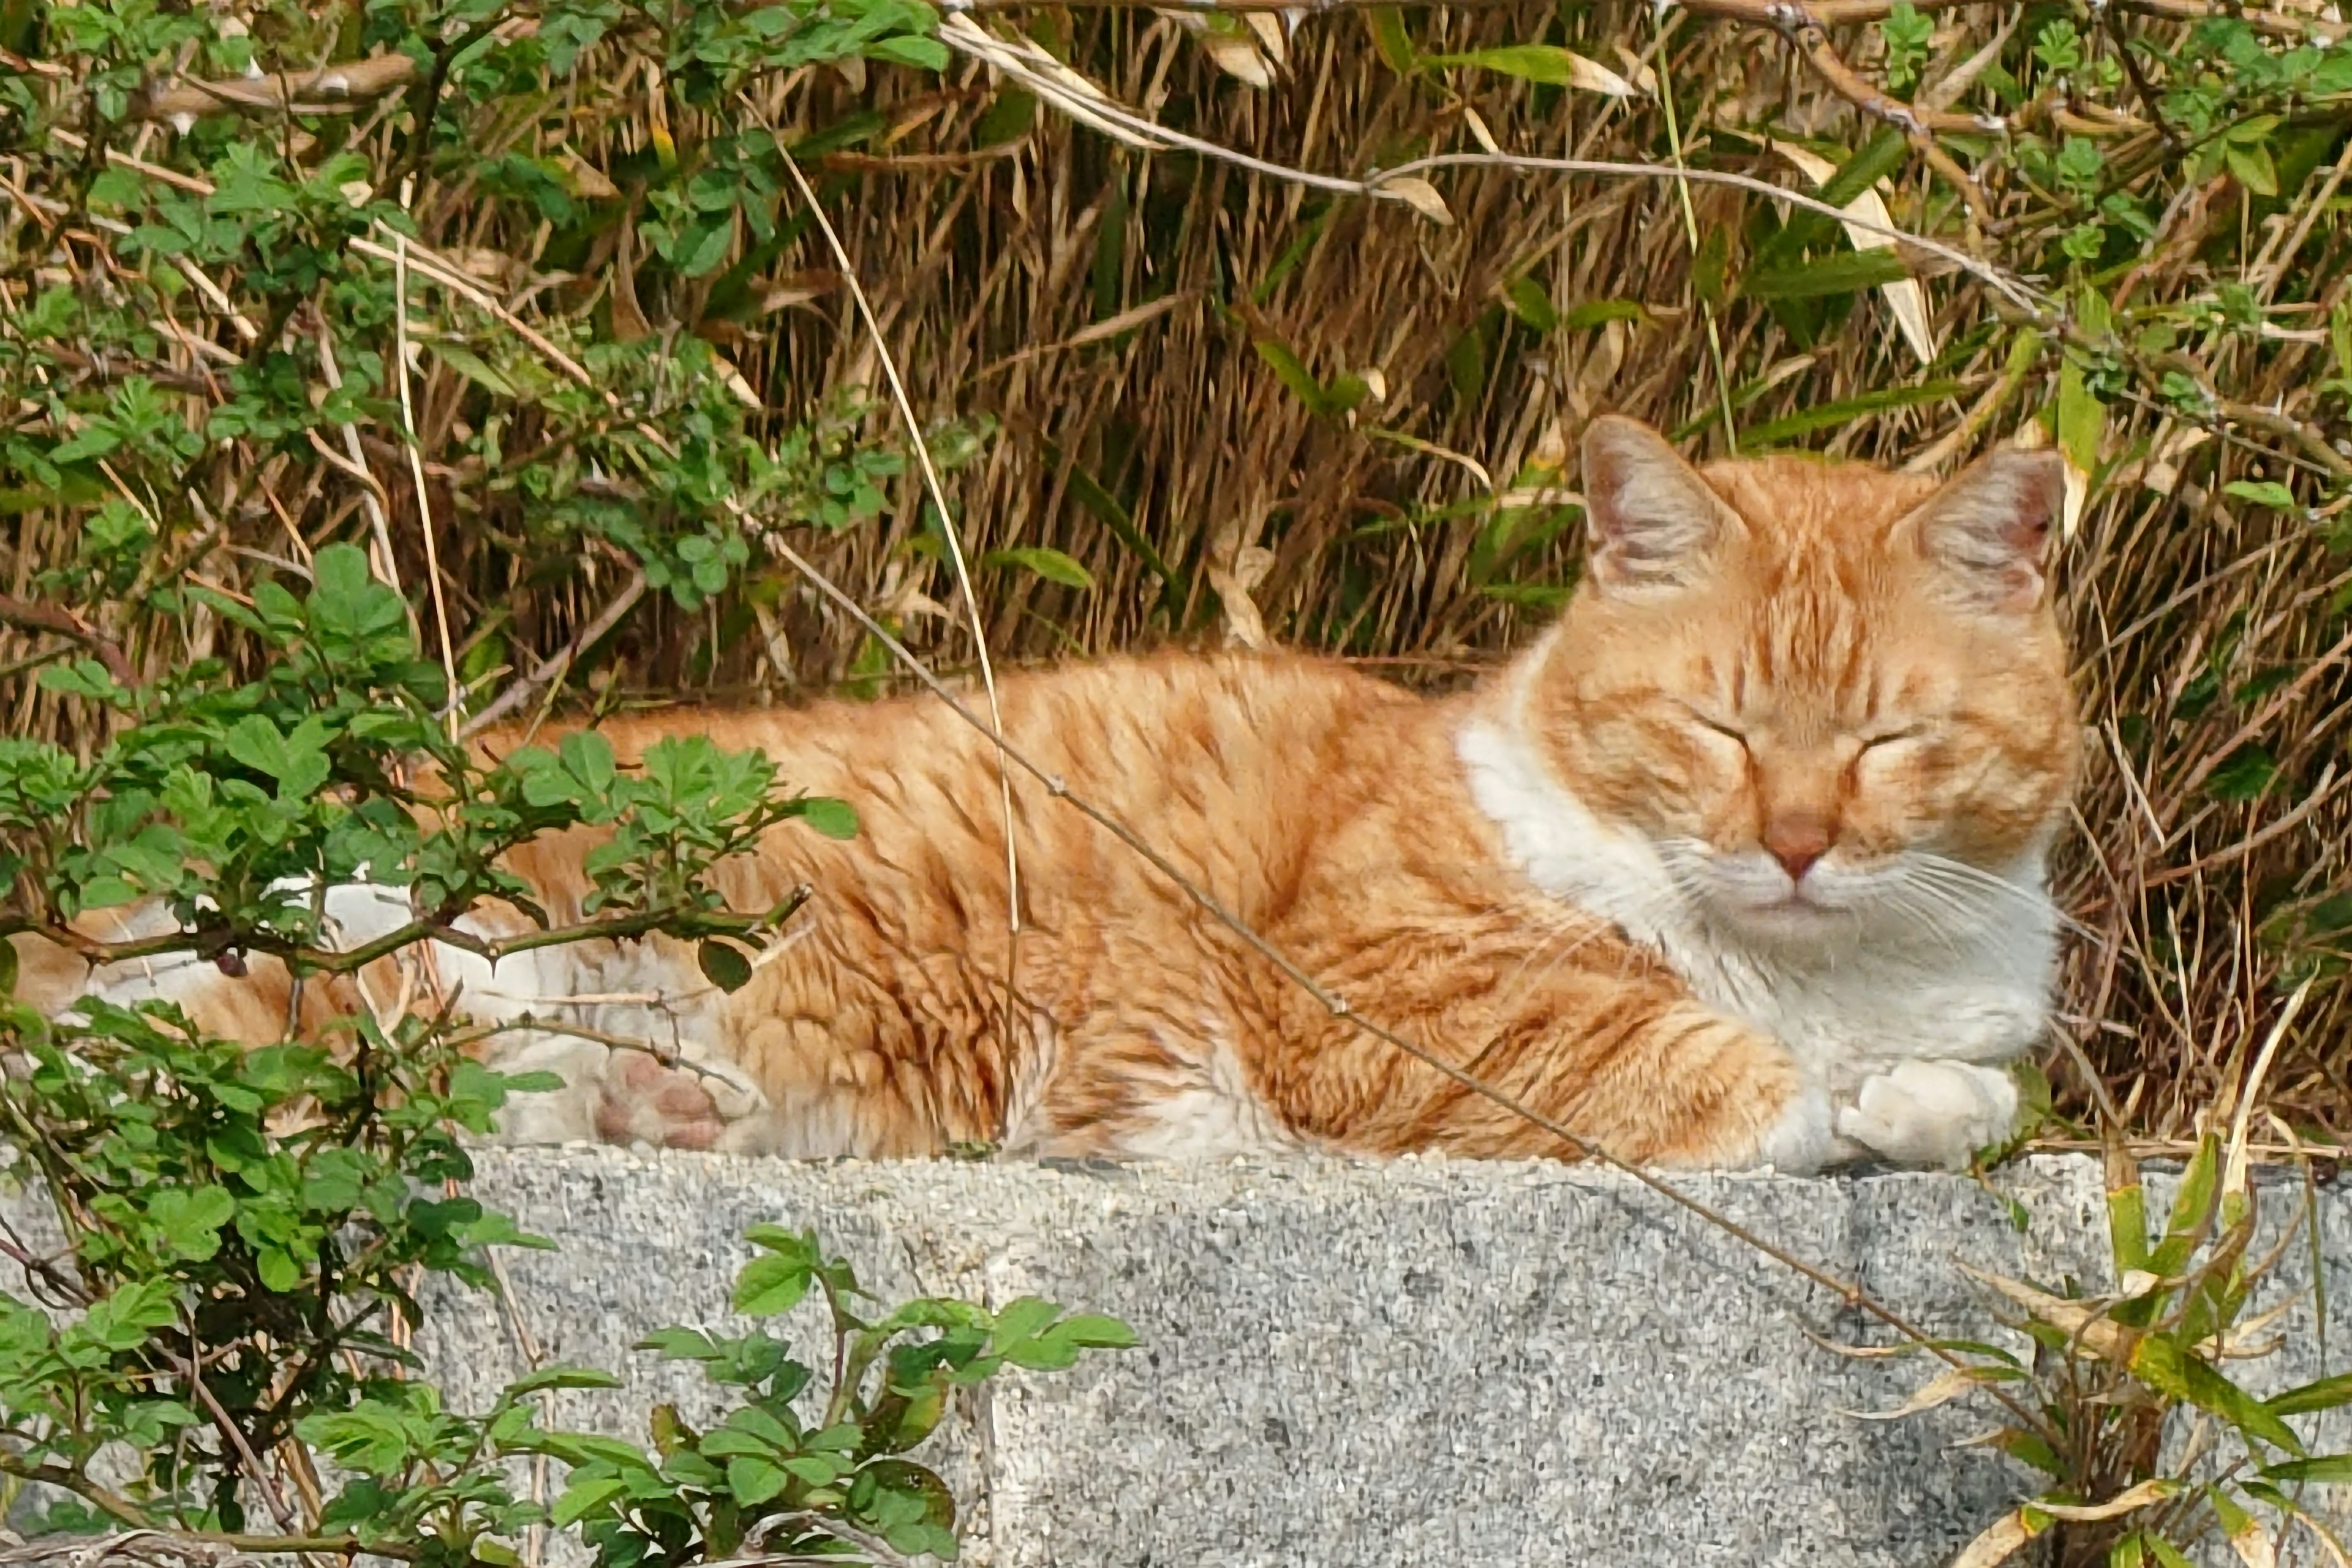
<point>1794,921</point>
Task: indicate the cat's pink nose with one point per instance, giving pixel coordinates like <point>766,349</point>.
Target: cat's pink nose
<point>1797,839</point>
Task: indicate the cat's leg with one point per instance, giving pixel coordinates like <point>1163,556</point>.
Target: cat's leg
<point>1691,1088</point>
<point>1637,1069</point>
<point>1935,1114</point>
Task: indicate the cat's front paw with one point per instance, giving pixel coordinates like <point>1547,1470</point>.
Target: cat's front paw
<point>690,1100</point>
<point>1933,1115</point>
<point>690,1104</point>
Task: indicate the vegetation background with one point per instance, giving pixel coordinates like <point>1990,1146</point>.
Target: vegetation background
<point>369,369</point>
<point>1189,380</point>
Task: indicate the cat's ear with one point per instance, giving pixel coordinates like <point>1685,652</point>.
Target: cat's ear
<point>1987,534</point>
<point>1650,521</point>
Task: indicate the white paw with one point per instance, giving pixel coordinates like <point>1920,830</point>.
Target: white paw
<point>1934,1114</point>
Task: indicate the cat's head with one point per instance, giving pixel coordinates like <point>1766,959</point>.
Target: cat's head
<point>1825,693</point>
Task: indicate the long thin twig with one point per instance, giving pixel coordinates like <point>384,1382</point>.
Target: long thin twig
<point>411,438</point>
<point>1041,74</point>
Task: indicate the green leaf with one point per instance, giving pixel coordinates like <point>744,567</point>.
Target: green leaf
<point>2081,418</point>
<point>1389,37</point>
<point>771,1285</point>
<point>1530,304</point>
<point>1844,272</point>
<point>2264,493</point>
<point>1830,416</point>
<point>1051,565</point>
<point>96,441</point>
<point>123,1321</point>
<point>2168,1369</point>
<point>724,966</point>
<point>1596,312</point>
<point>2128,1227</point>
<point>703,247</point>
<point>1546,63</point>
<point>679,1344</point>
<point>754,1480</point>
<point>2245,775</point>
<point>1292,372</point>
<point>2327,1470</point>
<point>926,54</point>
<point>584,1497</point>
<point>834,818</point>
<point>191,1219</point>
<point>473,367</point>
<point>1878,158</point>
<point>2253,167</point>
<point>561,1377</point>
<point>2325,1394</point>
<point>2192,1204</point>
<point>278,1269</point>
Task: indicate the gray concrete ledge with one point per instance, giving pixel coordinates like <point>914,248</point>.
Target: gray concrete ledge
<point>1417,1362</point>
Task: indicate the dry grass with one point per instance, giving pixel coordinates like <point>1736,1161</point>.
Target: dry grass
<point>1105,308</point>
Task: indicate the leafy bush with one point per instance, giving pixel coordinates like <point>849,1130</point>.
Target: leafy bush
<point>248,1231</point>
<point>2148,1448</point>
<point>248,1228</point>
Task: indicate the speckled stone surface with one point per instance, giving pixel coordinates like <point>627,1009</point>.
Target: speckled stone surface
<point>1422,1362</point>
<point>1375,1365</point>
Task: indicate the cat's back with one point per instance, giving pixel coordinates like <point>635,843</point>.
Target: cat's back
<point>1222,760</point>
<point>1121,722</point>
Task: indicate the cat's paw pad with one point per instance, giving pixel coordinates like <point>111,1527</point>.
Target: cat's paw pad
<point>1934,1114</point>
<point>686,1106</point>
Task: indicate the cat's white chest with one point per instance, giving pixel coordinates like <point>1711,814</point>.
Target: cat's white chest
<point>1881,1005</point>
<point>1888,994</point>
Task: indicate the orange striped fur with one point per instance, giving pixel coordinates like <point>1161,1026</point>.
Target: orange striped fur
<point>1740,863</point>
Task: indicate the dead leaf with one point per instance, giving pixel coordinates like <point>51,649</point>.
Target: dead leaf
<point>1233,53</point>
<point>1269,30</point>
<point>1478,131</point>
<point>2000,1541</point>
<point>2252,1545</point>
<point>1234,569</point>
<point>586,180</point>
<point>1417,194</point>
<point>2139,1496</point>
<point>735,382</point>
<point>1941,1389</point>
<point>2098,1333</point>
<point>1594,77</point>
<point>629,323</point>
<point>1636,69</point>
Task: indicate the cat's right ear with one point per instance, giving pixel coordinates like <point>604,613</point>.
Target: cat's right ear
<point>1651,523</point>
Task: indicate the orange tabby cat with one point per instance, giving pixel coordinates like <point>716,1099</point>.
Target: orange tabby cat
<point>1741,863</point>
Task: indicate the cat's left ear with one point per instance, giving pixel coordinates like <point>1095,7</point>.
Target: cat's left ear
<point>1988,532</point>
<point>1652,523</point>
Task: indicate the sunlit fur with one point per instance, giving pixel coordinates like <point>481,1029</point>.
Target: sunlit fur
<point>1564,880</point>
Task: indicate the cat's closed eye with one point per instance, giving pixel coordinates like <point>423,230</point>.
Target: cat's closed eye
<point>1882,739</point>
<point>1729,731</point>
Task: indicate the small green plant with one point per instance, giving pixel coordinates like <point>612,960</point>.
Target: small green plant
<point>776,1478</point>
<point>2147,1447</point>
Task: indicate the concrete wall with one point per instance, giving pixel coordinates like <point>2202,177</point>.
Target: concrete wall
<point>1419,1362</point>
